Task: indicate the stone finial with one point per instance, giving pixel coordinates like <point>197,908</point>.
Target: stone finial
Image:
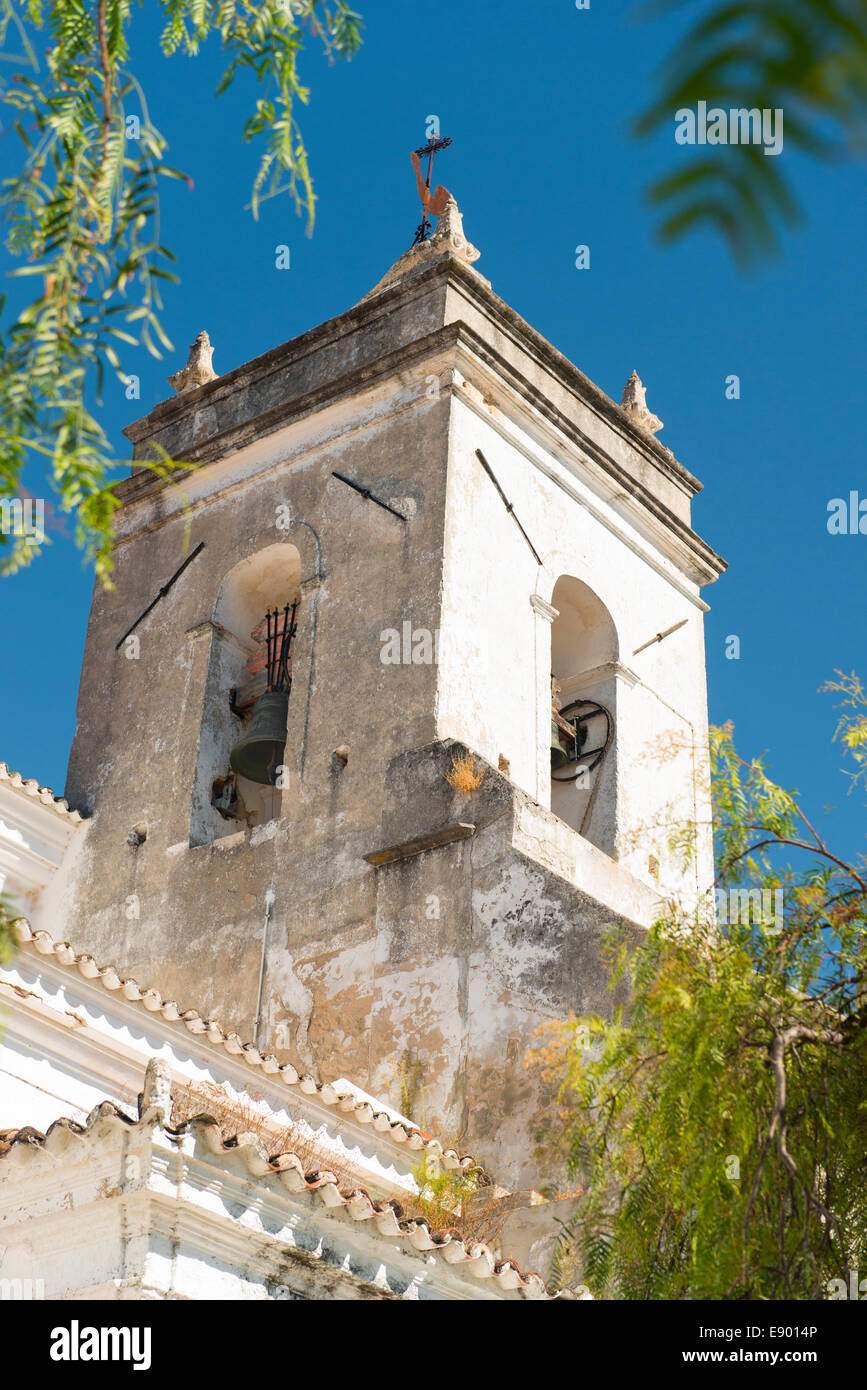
<point>440,204</point>
<point>155,1101</point>
<point>448,238</point>
<point>635,404</point>
<point>449,234</point>
<point>198,370</point>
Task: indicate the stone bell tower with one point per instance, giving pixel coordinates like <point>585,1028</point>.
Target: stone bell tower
<point>452,513</point>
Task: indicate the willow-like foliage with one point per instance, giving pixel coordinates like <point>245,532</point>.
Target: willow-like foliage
<point>717,1123</point>
<point>806,58</point>
<point>82,214</point>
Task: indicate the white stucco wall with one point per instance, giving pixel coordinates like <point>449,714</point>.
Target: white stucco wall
<point>137,1209</point>
<point>495,648</point>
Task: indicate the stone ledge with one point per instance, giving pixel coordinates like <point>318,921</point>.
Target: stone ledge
<point>421,844</point>
<point>542,837</point>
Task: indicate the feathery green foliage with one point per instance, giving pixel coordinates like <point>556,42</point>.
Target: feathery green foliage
<point>83,215</point>
<point>8,915</point>
<point>718,1124</point>
<point>807,58</point>
<point>851,730</point>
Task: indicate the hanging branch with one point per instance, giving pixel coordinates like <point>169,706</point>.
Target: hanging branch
<point>82,212</point>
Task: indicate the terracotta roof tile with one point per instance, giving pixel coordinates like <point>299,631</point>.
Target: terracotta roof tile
<point>386,1216</point>
<point>43,794</point>
<point>362,1111</point>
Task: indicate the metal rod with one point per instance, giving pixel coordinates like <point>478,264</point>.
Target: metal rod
<point>278,676</point>
<point>365,492</point>
<point>269,903</point>
<point>506,503</point>
<point>430,150</point>
<point>293,628</point>
<point>659,636</point>
<point>433,145</point>
<point>162,593</point>
<point>283,665</point>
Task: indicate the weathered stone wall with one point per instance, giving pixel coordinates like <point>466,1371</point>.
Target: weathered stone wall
<point>198,911</point>
<point>477,945</point>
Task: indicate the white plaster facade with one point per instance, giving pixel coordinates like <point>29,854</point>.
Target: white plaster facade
<point>101,1197</point>
<point>36,831</point>
<point>490,694</point>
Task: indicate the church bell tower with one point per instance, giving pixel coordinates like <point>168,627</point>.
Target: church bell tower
<point>375,733</point>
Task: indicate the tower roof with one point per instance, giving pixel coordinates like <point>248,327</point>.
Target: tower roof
<point>433,301</point>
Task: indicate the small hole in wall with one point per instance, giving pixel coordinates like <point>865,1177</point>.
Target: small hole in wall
<point>137,836</point>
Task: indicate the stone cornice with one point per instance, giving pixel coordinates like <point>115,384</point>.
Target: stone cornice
<point>573,378</point>
<point>345,355</point>
<point>381,304</point>
<point>287,412</point>
<point>143,483</point>
<point>709,564</point>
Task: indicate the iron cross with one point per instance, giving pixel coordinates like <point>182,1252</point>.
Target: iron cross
<point>428,203</point>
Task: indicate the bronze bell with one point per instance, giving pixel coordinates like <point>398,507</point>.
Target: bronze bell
<point>260,752</point>
<point>559,755</point>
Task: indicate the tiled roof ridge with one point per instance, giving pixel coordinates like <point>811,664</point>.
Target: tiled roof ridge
<point>43,794</point>
<point>387,1215</point>
<point>361,1110</point>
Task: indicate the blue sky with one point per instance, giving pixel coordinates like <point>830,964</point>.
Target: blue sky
<point>538,101</point>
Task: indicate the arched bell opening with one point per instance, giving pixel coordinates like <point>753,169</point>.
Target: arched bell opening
<point>584,652</point>
<point>240,773</point>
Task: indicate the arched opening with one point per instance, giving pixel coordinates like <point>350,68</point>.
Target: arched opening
<point>584,652</point>
<point>265,580</point>
<point>252,632</point>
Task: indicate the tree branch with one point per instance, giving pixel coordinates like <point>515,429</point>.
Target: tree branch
<point>797,844</point>
<point>105,64</point>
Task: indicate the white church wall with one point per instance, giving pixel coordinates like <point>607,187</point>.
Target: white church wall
<point>68,1042</point>
<point>495,652</point>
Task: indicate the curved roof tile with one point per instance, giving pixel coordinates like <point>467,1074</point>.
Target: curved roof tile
<point>386,1216</point>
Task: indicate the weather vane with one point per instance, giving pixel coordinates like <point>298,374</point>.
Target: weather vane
<point>432,203</point>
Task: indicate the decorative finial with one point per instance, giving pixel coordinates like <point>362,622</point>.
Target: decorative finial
<point>432,203</point>
<point>635,404</point>
<point>198,370</point>
<point>155,1100</point>
<point>441,205</point>
<point>447,240</point>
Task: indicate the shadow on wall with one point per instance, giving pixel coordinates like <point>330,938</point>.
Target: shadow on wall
<point>224,803</point>
<point>584,653</point>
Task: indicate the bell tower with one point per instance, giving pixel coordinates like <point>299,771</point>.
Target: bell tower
<point>396,742</point>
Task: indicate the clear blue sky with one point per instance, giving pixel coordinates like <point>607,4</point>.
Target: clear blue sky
<point>538,100</point>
